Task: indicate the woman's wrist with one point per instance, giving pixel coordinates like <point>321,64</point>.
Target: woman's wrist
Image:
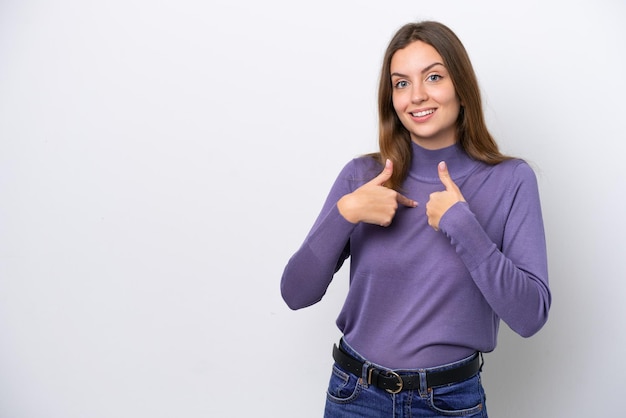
<point>347,208</point>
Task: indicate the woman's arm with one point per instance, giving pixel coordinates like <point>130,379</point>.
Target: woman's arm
<point>310,270</point>
<point>513,279</point>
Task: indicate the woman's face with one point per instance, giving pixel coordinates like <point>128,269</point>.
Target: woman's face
<point>423,95</point>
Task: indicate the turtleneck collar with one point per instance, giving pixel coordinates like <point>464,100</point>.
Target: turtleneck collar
<point>424,162</point>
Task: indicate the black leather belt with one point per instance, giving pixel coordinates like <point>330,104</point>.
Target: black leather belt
<point>393,382</point>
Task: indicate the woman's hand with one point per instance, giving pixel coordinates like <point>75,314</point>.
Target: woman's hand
<point>374,203</point>
<point>440,202</point>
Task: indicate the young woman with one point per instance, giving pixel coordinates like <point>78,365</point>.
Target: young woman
<point>429,281</point>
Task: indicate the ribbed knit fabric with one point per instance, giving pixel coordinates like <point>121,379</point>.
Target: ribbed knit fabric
<point>420,297</point>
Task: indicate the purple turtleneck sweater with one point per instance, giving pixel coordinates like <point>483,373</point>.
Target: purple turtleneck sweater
<point>418,297</point>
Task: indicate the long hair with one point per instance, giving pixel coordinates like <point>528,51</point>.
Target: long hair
<point>472,132</point>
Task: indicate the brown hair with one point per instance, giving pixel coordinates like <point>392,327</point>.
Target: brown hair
<point>473,135</point>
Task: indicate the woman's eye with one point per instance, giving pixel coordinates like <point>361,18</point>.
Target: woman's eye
<point>434,77</point>
<point>401,84</point>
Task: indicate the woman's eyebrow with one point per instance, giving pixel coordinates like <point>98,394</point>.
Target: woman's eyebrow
<point>425,70</point>
<point>431,66</point>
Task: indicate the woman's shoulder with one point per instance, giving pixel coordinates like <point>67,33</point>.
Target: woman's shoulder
<point>516,166</point>
<point>362,168</point>
<point>517,170</point>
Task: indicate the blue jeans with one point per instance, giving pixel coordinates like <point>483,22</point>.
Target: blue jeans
<point>349,396</point>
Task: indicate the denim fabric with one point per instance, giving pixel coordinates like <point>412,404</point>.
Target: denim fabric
<point>349,396</point>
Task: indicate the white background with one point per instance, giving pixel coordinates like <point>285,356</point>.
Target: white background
<point>161,160</point>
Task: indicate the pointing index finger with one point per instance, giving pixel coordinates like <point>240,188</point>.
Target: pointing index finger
<point>403,200</point>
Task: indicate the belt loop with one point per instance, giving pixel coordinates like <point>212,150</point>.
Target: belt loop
<point>423,383</point>
<point>366,374</point>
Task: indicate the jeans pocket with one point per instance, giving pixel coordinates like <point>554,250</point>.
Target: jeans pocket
<point>462,399</point>
<point>343,386</point>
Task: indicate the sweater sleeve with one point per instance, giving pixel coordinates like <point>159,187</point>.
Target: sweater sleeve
<point>311,269</point>
<point>514,278</point>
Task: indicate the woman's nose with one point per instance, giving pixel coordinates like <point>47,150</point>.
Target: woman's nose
<point>418,94</point>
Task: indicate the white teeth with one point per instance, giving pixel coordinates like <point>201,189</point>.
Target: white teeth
<point>423,113</point>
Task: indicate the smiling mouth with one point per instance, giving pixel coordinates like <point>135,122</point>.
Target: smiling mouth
<point>423,113</point>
